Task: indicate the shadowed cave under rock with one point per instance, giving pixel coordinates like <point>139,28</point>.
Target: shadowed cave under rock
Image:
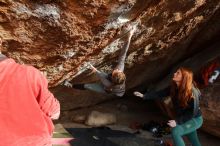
<point>60,37</point>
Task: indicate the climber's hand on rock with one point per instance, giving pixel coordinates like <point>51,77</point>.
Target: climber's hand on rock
<point>131,32</point>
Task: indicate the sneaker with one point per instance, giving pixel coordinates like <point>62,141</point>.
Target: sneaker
<point>67,84</point>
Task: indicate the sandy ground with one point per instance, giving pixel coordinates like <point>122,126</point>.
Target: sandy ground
<point>134,110</point>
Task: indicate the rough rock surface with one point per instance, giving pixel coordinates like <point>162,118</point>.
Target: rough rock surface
<point>97,119</point>
<point>210,108</point>
<point>59,37</point>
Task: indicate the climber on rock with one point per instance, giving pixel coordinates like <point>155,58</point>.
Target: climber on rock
<point>113,83</point>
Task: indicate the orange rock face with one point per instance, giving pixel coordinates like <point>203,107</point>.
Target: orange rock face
<point>59,37</point>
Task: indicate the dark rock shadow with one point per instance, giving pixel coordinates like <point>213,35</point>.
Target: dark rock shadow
<point>104,136</point>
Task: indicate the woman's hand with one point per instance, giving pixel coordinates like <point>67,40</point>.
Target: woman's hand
<point>172,123</point>
<point>138,94</point>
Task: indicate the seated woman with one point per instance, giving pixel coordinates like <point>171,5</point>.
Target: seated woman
<point>185,98</point>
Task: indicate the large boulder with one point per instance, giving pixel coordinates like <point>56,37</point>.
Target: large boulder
<point>211,109</point>
<point>60,37</point>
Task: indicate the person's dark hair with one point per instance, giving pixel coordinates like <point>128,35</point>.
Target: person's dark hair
<point>118,77</point>
<point>184,91</point>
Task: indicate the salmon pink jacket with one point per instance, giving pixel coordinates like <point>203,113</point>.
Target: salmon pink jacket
<point>26,106</point>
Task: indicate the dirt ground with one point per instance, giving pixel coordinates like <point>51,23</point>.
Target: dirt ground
<point>127,111</point>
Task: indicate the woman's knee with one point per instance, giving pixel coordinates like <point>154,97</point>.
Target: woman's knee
<point>198,122</point>
<point>176,131</point>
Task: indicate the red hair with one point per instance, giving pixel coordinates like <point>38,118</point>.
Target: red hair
<point>118,77</point>
<point>185,88</point>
